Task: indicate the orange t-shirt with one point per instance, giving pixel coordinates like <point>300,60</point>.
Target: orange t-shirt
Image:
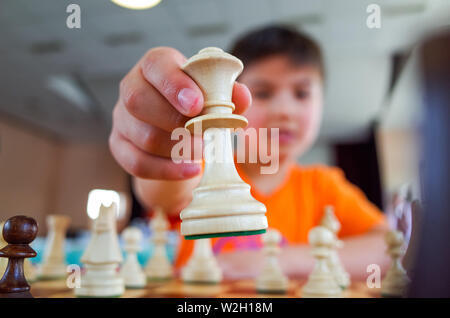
<point>297,205</point>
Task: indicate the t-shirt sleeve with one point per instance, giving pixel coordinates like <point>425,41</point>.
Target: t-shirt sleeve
<point>354,211</point>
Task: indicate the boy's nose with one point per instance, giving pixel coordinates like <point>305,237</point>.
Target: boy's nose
<point>284,105</point>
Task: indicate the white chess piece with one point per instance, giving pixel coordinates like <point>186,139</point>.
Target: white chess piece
<point>271,279</point>
<point>102,258</point>
<point>54,264</point>
<point>330,221</point>
<point>159,267</point>
<point>131,270</point>
<point>222,202</point>
<point>396,280</point>
<point>28,268</point>
<point>321,282</point>
<point>202,267</point>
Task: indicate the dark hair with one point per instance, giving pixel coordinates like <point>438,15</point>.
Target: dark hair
<point>278,40</point>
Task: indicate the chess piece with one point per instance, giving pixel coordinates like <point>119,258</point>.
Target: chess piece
<point>202,267</point>
<point>3,261</point>
<point>330,221</point>
<point>29,269</point>
<point>54,264</point>
<point>131,270</point>
<point>321,282</point>
<point>396,280</point>
<point>18,232</point>
<point>222,204</point>
<point>159,267</point>
<point>271,280</point>
<point>102,258</point>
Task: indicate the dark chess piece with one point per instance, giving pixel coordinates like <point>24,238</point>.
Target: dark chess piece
<point>18,232</point>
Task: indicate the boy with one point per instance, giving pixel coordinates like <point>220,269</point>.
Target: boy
<point>283,70</point>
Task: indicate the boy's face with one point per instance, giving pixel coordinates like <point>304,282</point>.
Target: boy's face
<point>288,97</point>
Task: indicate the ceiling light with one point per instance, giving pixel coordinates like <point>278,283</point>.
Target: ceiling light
<point>136,4</point>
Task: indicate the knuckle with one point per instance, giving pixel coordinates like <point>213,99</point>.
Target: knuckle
<point>153,57</point>
<point>111,143</point>
<point>135,166</point>
<point>131,100</point>
<point>115,114</point>
<point>149,139</point>
<point>176,119</point>
<point>167,85</point>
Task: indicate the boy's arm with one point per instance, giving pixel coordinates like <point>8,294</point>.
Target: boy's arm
<point>296,261</point>
<point>357,253</point>
<point>170,196</point>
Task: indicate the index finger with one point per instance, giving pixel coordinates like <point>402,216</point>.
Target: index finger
<point>162,69</point>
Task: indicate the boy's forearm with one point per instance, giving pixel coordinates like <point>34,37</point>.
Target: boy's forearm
<point>171,196</point>
<point>357,253</point>
<point>296,261</point>
<point>363,250</point>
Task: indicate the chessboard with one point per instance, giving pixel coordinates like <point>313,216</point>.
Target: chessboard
<point>178,289</point>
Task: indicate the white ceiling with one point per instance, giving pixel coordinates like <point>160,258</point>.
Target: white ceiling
<point>357,58</point>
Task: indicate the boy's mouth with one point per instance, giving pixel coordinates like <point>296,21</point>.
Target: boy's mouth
<point>286,136</point>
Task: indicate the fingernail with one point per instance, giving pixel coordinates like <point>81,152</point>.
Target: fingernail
<point>191,170</point>
<point>187,98</point>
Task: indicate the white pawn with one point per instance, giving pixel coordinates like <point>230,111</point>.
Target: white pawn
<point>131,270</point>
<point>330,221</point>
<point>102,258</point>
<point>158,267</point>
<point>28,268</point>
<point>202,267</point>
<point>321,282</point>
<point>271,279</point>
<point>54,265</point>
<point>396,280</point>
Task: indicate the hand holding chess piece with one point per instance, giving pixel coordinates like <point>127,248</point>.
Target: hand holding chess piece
<point>271,280</point>
<point>330,221</point>
<point>396,280</point>
<point>222,204</point>
<point>131,270</point>
<point>102,258</point>
<point>18,232</point>
<point>202,267</point>
<point>158,267</point>
<point>321,282</point>
<point>54,265</point>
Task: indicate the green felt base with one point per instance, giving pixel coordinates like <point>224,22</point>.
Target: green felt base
<point>196,282</point>
<point>135,287</point>
<point>211,235</point>
<point>158,280</point>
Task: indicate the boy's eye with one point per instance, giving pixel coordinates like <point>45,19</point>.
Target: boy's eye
<point>261,94</point>
<point>301,94</point>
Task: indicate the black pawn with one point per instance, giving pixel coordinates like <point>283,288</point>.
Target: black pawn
<point>18,232</point>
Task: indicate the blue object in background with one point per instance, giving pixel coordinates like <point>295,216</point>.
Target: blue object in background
<point>75,247</point>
